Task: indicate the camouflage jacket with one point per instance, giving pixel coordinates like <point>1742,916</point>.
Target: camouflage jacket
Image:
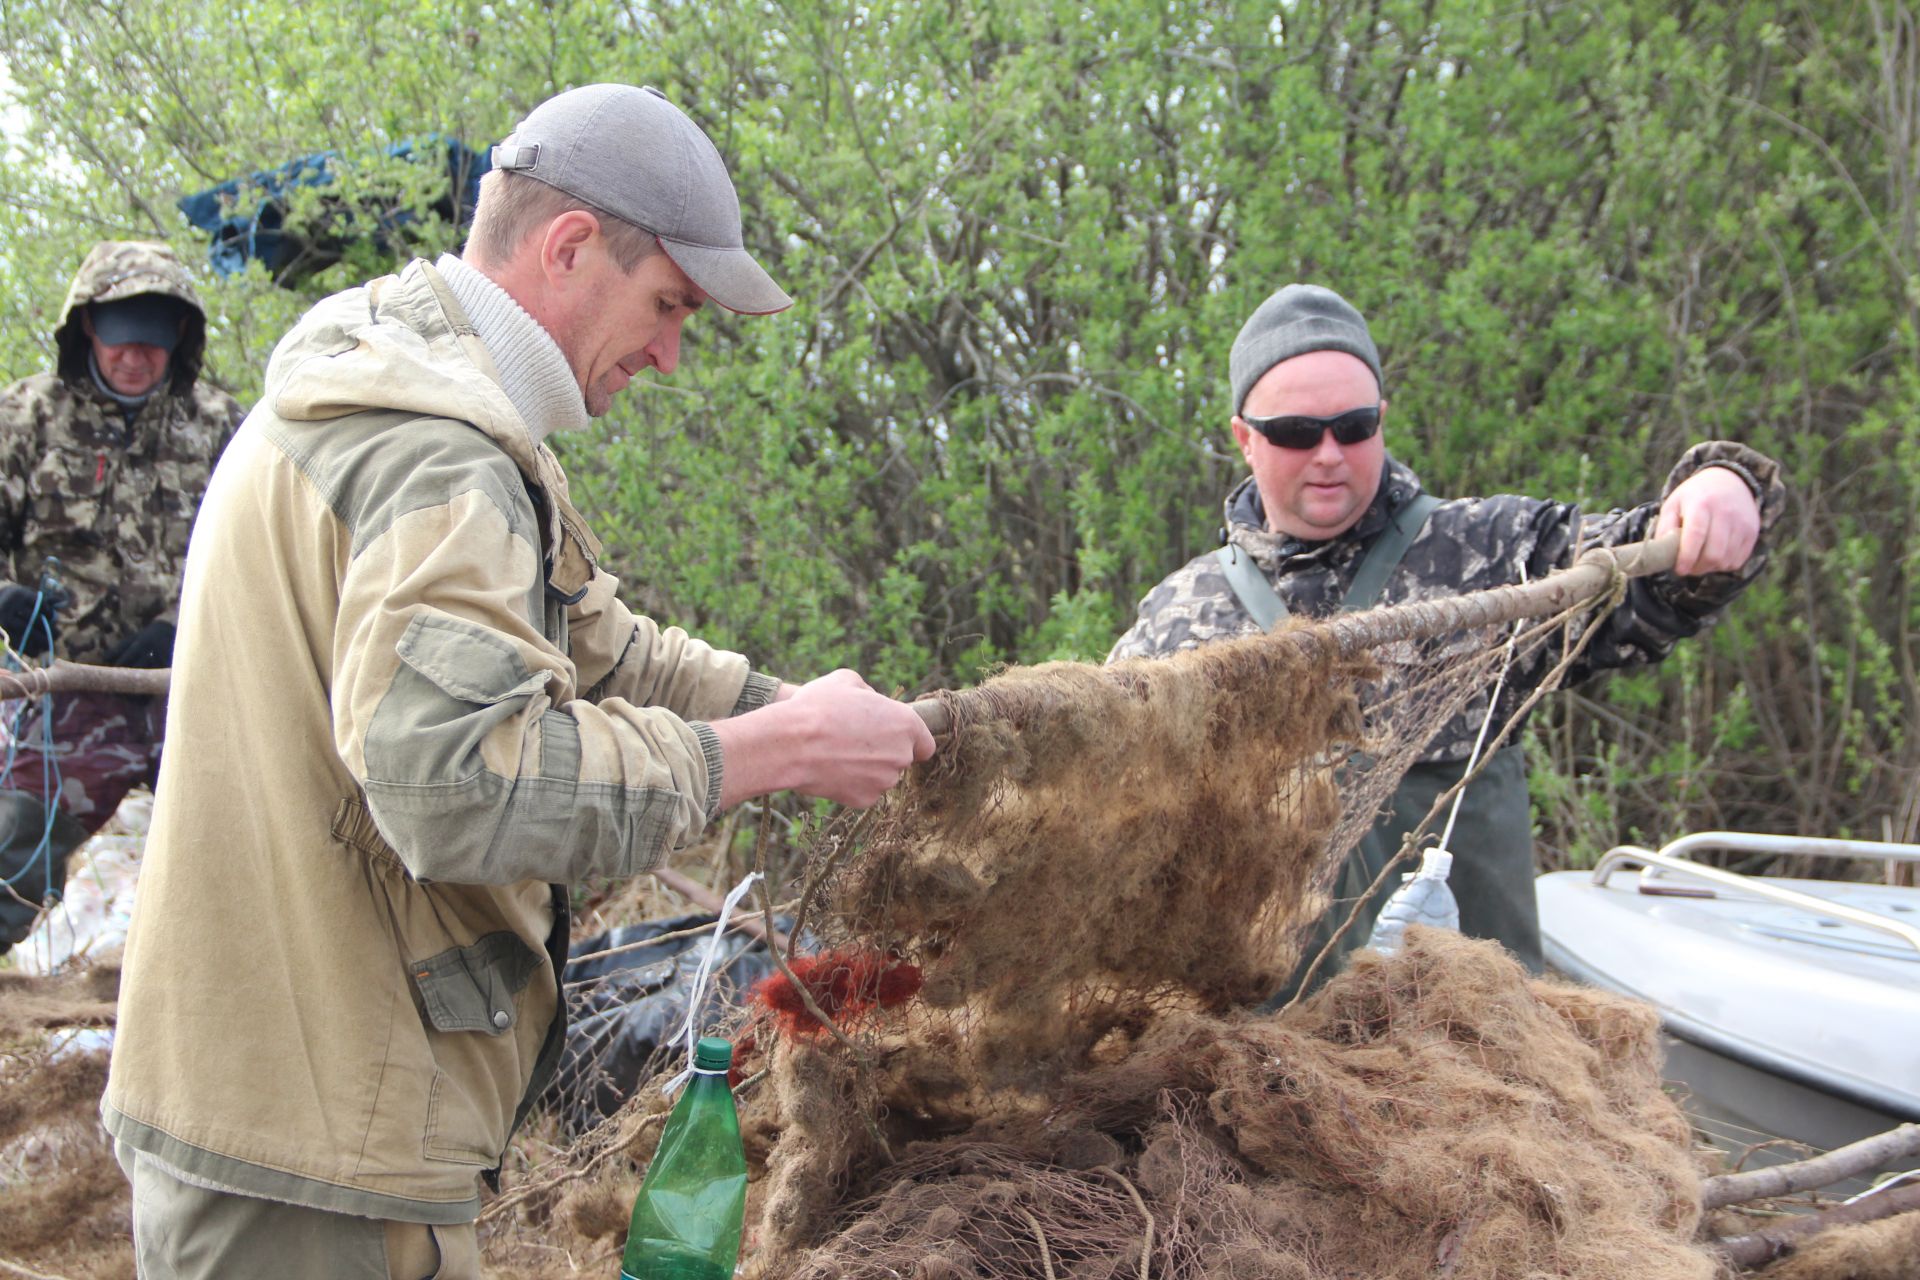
<point>112,501</point>
<point>109,494</point>
<point>1467,544</point>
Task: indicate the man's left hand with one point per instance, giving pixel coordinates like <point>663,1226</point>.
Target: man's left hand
<point>1717,519</point>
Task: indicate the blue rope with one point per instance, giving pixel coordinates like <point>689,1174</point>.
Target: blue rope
<point>50,780</point>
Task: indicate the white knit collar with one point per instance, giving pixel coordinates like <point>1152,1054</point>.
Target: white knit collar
<point>534,372</point>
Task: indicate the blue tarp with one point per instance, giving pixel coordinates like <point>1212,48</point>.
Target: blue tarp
<point>246,216</point>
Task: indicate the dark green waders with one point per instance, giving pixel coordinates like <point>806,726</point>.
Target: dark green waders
<point>1492,840</point>
<point>1492,876</point>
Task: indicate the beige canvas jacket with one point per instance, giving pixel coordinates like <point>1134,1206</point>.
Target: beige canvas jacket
<point>406,704</point>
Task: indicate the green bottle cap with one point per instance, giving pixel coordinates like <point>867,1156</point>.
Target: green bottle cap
<point>712,1054</point>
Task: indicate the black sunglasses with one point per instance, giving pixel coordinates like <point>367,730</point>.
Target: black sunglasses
<point>1295,431</point>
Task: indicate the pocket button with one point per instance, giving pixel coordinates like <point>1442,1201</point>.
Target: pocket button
<point>501,1018</point>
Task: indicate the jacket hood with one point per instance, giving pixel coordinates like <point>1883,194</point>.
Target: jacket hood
<point>117,269</point>
<point>403,344</point>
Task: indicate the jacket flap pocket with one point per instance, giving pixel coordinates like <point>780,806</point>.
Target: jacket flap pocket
<point>467,661</point>
<point>472,988</point>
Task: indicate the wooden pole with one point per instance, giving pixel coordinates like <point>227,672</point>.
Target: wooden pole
<point>77,677</point>
<point>1820,1171</point>
<point>1786,1234</point>
<point>1583,583</point>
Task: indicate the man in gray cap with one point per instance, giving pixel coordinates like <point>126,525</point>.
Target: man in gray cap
<point>420,712</point>
<point>1328,520</point>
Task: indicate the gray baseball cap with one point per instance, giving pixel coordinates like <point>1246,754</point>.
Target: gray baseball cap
<point>1296,319</point>
<point>639,157</point>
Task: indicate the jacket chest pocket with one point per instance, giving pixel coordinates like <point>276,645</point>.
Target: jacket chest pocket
<point>69,486</point>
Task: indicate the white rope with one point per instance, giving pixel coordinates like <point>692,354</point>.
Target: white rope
<point>1493,702</point>
<point>697,997</point>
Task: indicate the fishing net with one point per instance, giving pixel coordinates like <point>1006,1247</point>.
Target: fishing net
<point>1026,1042</point>
<point>1023,1039</point>
<point>63,1200</point>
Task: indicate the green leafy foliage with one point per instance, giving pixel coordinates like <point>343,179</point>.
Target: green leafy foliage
<point>1023,236</point>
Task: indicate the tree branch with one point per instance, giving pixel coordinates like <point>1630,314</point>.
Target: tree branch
<point>1802,1175</point>
<point>1786,1236</point>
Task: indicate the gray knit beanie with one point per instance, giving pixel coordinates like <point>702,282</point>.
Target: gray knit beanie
<point>1295,320</point>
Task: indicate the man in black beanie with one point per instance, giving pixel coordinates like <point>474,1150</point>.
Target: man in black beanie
<point>1329,521</point>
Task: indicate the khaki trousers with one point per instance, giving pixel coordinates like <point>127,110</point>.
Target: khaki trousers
<point>184,1232</point>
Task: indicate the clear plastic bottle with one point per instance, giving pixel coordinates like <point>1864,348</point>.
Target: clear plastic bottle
<point>1422,898</point>
<point>687,1217</point>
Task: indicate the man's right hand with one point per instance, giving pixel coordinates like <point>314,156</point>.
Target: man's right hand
<point>833,737</point>
<point>27,619</point>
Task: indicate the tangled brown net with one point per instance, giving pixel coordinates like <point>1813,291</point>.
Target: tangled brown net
<point>1091,884</point>
<point>1431,1114</point>
<point>63,1199</point>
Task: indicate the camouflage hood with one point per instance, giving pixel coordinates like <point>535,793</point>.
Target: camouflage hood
<point>117,269</point>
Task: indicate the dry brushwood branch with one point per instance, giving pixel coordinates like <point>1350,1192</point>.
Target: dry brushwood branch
<point>659,939</point>
<point>1820,1171</point>
<point>779,955</point>
<point>77,677</point>
<point>15,1269</point>
<point>1787,1235</point>
<point>619,1146</point>
<point>707,900</point>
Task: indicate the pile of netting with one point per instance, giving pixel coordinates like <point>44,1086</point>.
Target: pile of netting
<point>1431,1114</point>
<point>1096,883</point>
<point>1034,1048</point>
<point>64,1205</point>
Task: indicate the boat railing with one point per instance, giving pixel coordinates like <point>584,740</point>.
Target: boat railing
<point>1671,858</point>
<point>1812,846</point>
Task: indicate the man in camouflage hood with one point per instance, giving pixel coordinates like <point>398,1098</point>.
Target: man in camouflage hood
<point>1329,520</point>
<point>102,464</point>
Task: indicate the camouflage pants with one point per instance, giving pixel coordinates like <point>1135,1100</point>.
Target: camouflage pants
<point>104,745</point>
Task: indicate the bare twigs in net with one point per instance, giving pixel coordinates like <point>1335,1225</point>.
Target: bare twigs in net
<point>870,1104</point>
<point>1820,1171</point>
<point>1787,1234</point>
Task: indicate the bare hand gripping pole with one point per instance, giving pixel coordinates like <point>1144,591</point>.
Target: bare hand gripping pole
<point>1589,579</point>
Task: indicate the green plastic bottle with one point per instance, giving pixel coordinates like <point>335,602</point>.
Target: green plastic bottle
<point>686,1220</point>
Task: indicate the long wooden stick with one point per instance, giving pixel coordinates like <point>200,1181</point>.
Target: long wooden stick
<point>1582,583</point>
<point>77,677</point>
<point>1787,1233</point>
<point>1820,1171</point>
<point>1588,579</point>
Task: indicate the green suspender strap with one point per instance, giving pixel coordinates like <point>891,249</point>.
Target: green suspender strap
<point>1257,596</point>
